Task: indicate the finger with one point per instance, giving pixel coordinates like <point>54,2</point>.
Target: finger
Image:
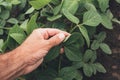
<point>61,50</point>
<point>32,67</point>
<point>56,40</point>
<point>49,32</point>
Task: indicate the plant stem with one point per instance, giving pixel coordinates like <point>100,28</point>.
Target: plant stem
<point>5,28</point>
<point>73,29</point>
<point>59,65</point>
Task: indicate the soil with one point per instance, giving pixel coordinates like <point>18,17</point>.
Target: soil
<point>111,62</point>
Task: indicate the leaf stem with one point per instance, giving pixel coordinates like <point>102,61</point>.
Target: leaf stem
<point>50,6</point>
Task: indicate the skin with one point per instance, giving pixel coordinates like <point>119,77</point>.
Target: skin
<point>30,54</point>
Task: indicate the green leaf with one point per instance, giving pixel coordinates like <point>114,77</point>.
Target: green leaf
<point>105,48</point>
<point>93,68</point>
<point>91,18</point>
<point>95,45</point>
<point>87,69</point>
<point>53,18</point>
<point>85,34</point>
<point>106,21</point>
<point>1,44</point>
<point>74,37</point>
<point>88,55</point>
<point>70,73</point>
<point>72,53</point>
<point>29,10</point>
<point>58,79</point>
<point>103,4</point>
<point>18,37</point>
<point>57,9</point>
<point>5,14</point>
<point>13,21</point>
<point>90,6</point>
<point>13,1</point>
<point>22,4</point>
<point>24,25</point>
<point>38,4</point>
<point>78,64</point>
<point>53,53</point>
<point>70,16</point>
<point>1,31</point>
<point>71,6</point>
<point>101,36</point>
<point>16,29</point>
<point>118,1</point>
<point>32,23</point>
<point>99,68</point>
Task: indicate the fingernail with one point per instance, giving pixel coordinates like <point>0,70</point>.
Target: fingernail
<point>61,36</point>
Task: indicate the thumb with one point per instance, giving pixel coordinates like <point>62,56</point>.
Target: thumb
<point>56,40</point>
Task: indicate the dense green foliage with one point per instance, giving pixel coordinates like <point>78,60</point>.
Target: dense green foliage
<point>18,18</point>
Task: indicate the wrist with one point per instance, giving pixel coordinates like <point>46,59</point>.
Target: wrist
<point>11,63</point>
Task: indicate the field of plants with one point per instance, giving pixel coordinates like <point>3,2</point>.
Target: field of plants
<point>94,26</point>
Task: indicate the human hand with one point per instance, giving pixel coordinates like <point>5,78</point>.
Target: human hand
<point>37,45</point>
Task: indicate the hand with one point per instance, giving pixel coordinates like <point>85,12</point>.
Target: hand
<point>37,45</point>
<point>30,54</point>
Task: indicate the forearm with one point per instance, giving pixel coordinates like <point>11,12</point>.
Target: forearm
<point>10,64</point>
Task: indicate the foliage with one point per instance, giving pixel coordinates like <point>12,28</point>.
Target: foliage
<point>81,18</point>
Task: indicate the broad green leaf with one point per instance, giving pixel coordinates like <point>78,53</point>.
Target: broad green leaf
<point>13,21</point>
<point>32,23</point>
<point>101,36</point>
<point>93,68</point>
<point>90,6</point>
<point>57,9</point>
<point>24,25</point>
<point>74,37</point>
<point>105,48</point>
<point>71,6</point>
<point>99,68</point>
<point>118,1</point>
<point>5,14</point>
<point>16,29</point>
<point>95,45</point>
<point>18,37</point>
<point>70,73</point>
<point>88,55</point>
<point>78,64</point>
<point>94,57</point>
<point>103,4</point>
<point>85,34</point>
<point>70,16</point>
<point>53,53</point>
<point>109,14</point>
<point>38,4</point>
<point>72,53</point>
<point>30,10</point>
<point>1,32</point>
<point>53,18</point>
<point>91,18</point>
<point>87,69</point>
<point>13,1</point>
<point>106,21</point>
<point>46,74</point>
<point>22,4</point>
